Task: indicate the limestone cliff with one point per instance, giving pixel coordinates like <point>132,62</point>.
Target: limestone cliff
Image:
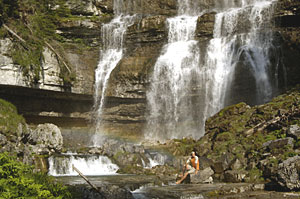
<point>79,44</point>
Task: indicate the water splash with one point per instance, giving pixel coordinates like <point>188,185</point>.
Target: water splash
<point>88,165</point>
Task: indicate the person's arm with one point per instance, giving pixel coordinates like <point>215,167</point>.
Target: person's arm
<point>188,161</point>
<point>197,163</point>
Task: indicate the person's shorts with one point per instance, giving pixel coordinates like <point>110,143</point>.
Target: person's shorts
<point>190,169</point>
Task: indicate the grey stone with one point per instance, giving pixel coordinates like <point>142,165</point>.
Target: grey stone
<point>3,140</point>
<point>294,131</point>
<point>202,176</point>
<point>46,137</point>
<point>288,173</point>
<point>278,143</point>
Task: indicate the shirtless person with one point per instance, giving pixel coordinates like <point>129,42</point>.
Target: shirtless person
<point>192,166</point>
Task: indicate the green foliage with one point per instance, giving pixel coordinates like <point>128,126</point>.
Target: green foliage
<point>279,134</point>
<point>255,175</point>
<point>184,146</point>
<point>18,181</point>
<point>9,118</point>
<point>38,24</point>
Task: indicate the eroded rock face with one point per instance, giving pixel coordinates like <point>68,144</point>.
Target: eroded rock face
<point>287,20</point>
<point>205,26</point>
<point>10,74</point>
<point>129,79</point>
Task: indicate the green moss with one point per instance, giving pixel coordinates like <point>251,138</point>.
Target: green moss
<point>255,175</point>
<point>119,154</point>
<point>212,194</point>
<point>131,169</point>
<point>225,136</point>
<point>9,119</point>
<point>289,154</point>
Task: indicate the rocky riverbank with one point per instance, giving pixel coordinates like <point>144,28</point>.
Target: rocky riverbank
<point>242,144</point>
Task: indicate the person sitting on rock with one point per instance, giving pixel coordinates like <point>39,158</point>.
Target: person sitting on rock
<point>191,166</point>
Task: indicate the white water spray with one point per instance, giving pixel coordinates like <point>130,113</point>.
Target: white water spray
<point>88,165</point>
<point>171,80</point>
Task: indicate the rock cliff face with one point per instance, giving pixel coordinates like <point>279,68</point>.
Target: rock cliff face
<point>126,102</point>
<point>287,23</point>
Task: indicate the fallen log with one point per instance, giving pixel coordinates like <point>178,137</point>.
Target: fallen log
<point>261,126</point>
<point>59,57</point>
<point>87,180</point>
<point>13,33</point>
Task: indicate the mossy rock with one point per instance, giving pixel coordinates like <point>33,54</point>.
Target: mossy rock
<point>226,134</point>
<point>11,122</point>
<point>131,169</point>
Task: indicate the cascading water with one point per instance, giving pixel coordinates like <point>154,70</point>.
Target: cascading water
<point>172,79</point>
<point>110,55</point>
<point>111,52</point>
<point>88,165</point>
<point>186,87</point>
<point>240,35</point>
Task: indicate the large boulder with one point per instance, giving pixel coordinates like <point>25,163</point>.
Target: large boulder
<point>205,162</point>
<point>202,176</point>
<point>288,173</point>
<point>47,138</point>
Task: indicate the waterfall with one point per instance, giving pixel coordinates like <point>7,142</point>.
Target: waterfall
<point>169,97</point>
<point>187,87</point>
<point>111,52</point>
<point>172,80</point>
<point>233,44</point>
<point>88,165</point>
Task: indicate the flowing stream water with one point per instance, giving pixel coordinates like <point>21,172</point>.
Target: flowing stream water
<point>188,86</point>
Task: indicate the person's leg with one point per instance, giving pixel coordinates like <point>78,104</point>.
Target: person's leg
<point>183,170</point>
<point>183,177</point>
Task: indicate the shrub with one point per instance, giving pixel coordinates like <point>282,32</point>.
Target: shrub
<point>9,118</point>
<point>18,181</point>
